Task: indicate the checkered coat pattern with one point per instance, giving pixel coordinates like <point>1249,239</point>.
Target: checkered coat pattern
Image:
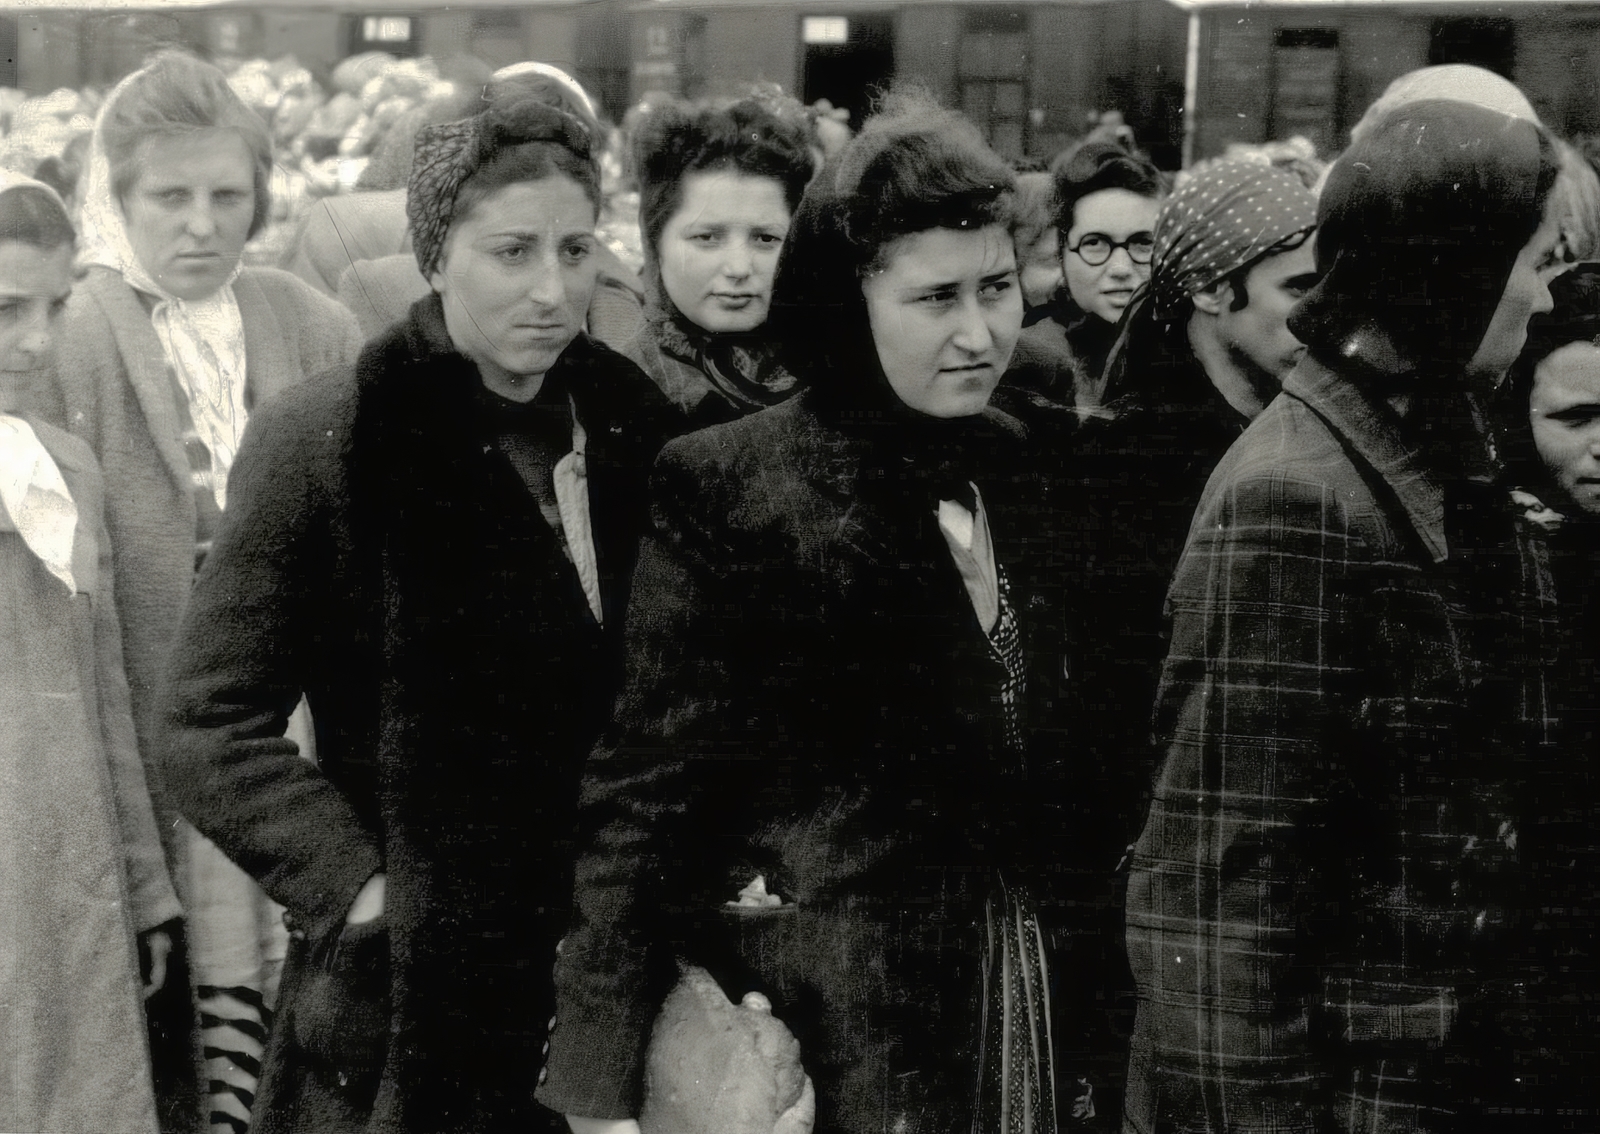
<point>1323,899</point>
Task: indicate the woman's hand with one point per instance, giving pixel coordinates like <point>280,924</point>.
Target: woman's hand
<point>581,1125</point>
<point>155,946</point>
<point>368,903</point>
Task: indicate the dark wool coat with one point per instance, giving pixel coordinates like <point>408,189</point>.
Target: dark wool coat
<point>810,698</point>
<point>383,556</point>
<point>1127,489</point>
<point>1082,341</point>
<point>1323,902</point>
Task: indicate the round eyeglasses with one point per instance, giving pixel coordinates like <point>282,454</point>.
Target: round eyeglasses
<point>1095,248</point>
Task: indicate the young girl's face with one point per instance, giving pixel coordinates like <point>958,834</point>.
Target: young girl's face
<point>34,285</point>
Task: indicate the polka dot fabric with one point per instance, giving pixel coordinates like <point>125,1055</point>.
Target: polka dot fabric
<point>1226,214</point>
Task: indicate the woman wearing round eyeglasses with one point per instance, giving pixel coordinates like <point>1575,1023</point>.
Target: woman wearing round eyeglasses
<point>1106,204</point>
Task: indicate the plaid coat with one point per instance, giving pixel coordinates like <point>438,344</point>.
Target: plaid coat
<point>1322,901</point>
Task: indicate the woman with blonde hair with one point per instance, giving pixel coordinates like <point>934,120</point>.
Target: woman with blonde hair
<point>167,345</point>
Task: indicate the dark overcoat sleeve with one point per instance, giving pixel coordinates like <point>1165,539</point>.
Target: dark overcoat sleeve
<point>641,786</point>
<point>249,640</point>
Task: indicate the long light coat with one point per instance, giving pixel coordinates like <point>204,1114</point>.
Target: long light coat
<point>81,868</point>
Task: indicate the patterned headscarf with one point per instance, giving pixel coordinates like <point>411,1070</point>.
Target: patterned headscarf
<point>448,154</point>
<point>1226,214</point>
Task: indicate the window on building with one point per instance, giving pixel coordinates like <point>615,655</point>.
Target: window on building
<point>848,59</point>
<point>374,31</point>
<point>8,52</point>
<point>1486,41</point>
<point>1305,86</point>
<point>992,72</point>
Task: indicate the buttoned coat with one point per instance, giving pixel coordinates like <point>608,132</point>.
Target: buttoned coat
<point>810,698</point>
<point>1324,897</point>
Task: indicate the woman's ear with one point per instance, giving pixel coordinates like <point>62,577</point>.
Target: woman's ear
<point>1214,299</point>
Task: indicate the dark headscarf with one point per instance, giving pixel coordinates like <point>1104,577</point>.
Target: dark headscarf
<point>862,200</point>
<point>912,168</point>
<point>1226,215</point>
<point>1575,318</point>
<point>448,154</point>
<point>1420,225</point>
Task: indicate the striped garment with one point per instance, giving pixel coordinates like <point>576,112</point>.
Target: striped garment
<point>233,1032</point>
<point>1016,1086</point>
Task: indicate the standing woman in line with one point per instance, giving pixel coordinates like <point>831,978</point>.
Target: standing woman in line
<point>166,347</point>
<point>1327,905</point>
<point>434,546</point>
<point>818,785</point>
<point>1549,437</point>
<point>82,871</point>
<point>717,186</point>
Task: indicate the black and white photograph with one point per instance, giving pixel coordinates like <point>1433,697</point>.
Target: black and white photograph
<point>792,567</point>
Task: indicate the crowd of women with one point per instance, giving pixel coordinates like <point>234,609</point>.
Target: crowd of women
<point>471,686</point>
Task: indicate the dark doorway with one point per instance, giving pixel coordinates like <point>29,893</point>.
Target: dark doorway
<point>1487,41</point>
<point>848,59</point>
<point>8,52</point>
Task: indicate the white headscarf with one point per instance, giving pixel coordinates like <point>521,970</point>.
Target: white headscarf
<point>203,339</point>
<point>34,499</point>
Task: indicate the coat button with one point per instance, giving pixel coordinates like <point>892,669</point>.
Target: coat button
<point>544,1073</point>
<point>551,1026</point>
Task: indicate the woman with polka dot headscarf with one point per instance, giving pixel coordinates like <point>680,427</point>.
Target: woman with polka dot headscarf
<point>1199,350</point>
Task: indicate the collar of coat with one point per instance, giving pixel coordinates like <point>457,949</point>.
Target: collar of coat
<point>413,371</point>
<point>1370,428</point>
<point>833,445</point>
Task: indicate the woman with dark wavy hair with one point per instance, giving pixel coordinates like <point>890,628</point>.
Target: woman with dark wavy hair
<point>718,184</point>
<point>819,785</point>
<point>1106,200</point>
